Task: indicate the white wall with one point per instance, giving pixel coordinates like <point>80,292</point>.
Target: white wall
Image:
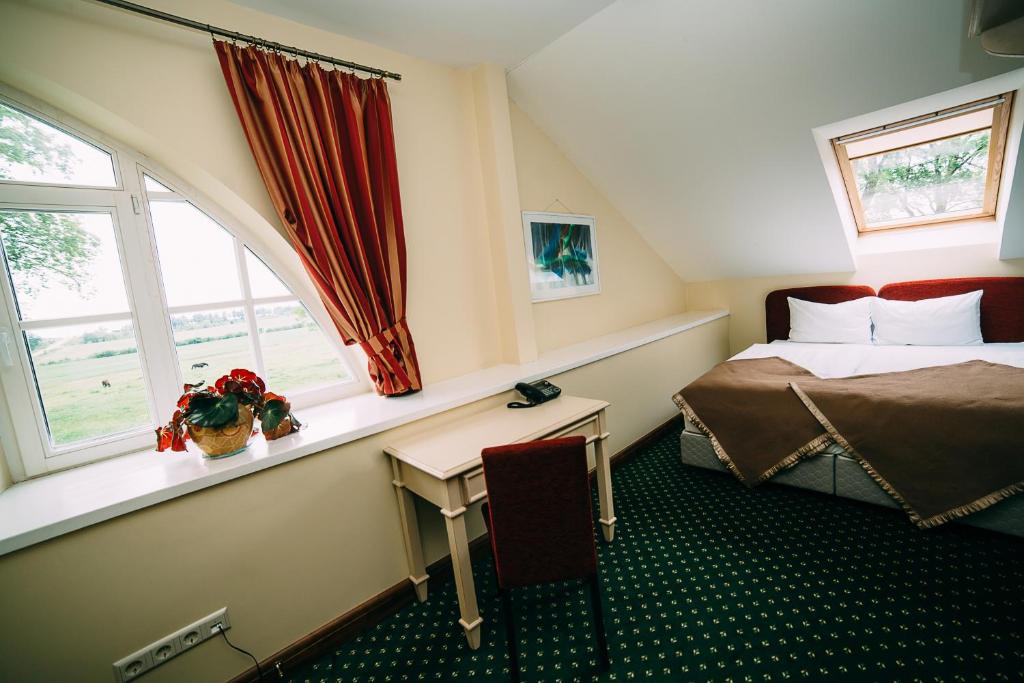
<point>637,284</point>
<point>695,118</point>
<point>744,297</point>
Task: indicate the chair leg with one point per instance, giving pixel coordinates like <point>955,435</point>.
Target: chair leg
<point>598,613</point>
<point>510,634</point>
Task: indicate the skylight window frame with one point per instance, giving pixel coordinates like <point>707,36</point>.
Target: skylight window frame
<point>1001,106</point>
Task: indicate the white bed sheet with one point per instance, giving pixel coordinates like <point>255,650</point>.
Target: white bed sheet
<point>846,360</point>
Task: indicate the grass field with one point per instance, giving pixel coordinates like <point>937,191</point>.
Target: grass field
<point>79,407</point>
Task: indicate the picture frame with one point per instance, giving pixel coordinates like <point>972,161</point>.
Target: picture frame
<point>561,255</point>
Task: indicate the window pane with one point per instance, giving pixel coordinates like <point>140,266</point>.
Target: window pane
<point>296,353</point>
<point>154,186</point>
<point>197,256</point>
<point>63,264</point>
<point>89,379</point>
<point>33,151</point>
<point>939,178</point>
<point>262,282</point>
<point>211,343</point>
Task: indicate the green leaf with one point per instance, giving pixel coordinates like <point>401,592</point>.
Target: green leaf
<point>205,410</point>
<point>274,411</point>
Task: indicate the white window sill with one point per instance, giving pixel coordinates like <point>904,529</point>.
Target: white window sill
<point>941,236</point>
<point>40,509</point>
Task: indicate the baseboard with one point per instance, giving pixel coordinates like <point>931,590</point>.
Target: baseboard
<point>371,612</point>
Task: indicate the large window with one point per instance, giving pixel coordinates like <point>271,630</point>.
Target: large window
<point>932,169</point>
<point>116,289</point>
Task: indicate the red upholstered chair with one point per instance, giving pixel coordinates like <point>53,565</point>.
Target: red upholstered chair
<point>541,525</point>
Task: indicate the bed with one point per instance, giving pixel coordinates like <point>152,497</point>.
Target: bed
<point>834,471</point>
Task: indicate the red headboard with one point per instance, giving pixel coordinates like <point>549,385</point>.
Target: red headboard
<point>776,308</point>
<point>1002,304</point>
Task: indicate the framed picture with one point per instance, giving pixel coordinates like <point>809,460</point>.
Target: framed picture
<point>561,254</point>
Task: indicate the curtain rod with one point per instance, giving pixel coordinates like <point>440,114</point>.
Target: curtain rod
<point>253,40</point>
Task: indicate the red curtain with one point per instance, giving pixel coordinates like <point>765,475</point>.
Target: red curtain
<point>324,143</point>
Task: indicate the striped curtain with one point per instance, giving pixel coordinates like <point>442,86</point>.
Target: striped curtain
<point>324,144</point>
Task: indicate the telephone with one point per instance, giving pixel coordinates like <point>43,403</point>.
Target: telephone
<point>535,393</point>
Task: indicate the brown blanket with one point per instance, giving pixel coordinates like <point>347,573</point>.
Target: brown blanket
<point>943,441</point>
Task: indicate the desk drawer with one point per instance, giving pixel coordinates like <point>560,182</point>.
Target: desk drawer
<point>473,487</point>
<point>589,428</point>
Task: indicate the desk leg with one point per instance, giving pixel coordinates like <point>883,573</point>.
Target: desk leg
<point>458,543</point>
<point>604,488</point>
<point>411,535</point>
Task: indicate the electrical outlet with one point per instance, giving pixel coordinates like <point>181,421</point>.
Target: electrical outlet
<point>170,646</point>
<point>164,650</point>
<point>132,666</point>
<point>192,638</point>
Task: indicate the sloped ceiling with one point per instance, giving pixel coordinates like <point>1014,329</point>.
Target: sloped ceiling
<point>455,32</point>
<point>694,117</point>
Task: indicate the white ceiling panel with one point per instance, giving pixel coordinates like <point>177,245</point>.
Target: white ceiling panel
<point>455,32</point>
<point>695,117</point>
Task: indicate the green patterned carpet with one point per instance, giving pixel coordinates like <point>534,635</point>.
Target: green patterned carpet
<point>709,581</point>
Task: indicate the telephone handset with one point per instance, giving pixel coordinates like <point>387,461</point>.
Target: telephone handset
<point>535,393</point>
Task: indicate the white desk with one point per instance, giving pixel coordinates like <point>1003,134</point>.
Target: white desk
<point>443,467</point>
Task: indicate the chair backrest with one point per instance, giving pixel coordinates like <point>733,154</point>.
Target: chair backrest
<point>542,527</point>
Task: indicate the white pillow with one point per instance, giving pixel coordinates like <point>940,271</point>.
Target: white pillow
<point>848,322</point>
<point>944,321</point>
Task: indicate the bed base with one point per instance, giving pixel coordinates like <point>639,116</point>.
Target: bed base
<point>838,474</point>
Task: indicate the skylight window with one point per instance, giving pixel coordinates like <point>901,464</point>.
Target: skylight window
<point>928,170</point>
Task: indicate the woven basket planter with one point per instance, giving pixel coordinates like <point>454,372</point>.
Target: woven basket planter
<point>216,442</point>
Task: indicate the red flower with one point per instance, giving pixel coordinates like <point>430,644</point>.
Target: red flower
<point>239,377</point>
<point>244,383</point>
<point>163,439</point>
<point>171,436</point>
<point>178,441</point>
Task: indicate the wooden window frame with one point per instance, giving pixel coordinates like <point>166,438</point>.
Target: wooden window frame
<point>997,149</point>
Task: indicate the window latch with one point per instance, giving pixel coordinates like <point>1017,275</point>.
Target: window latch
<point>6,355</point>
<point>136,206</point>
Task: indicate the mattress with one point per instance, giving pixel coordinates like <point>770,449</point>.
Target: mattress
<point>834,471</point>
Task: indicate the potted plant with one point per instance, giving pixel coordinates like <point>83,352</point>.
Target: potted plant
<point>219,418</point>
